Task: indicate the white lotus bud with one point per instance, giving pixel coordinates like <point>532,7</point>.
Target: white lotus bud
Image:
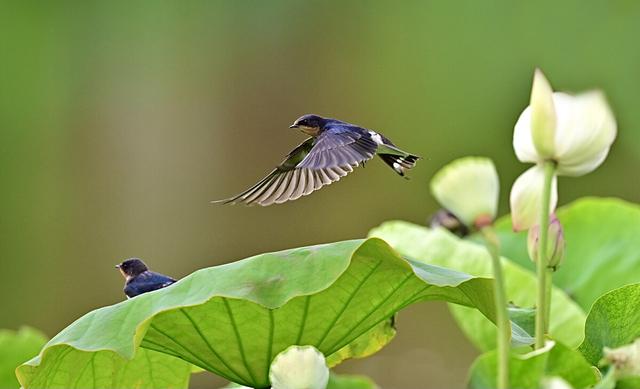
<point>526,198</point>
<point>299,367</point>
<point>469,188</point>
<point>543,115</point>
<point>574,131</point>
<point>555,383</point>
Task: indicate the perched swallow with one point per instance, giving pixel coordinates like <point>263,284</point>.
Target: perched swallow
<point>139,279</point>
<point>334,149</point>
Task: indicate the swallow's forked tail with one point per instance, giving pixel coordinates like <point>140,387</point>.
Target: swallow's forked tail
<point>400,163</point>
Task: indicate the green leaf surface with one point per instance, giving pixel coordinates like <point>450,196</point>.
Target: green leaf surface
<point>603,247</point>
<point>15,348</point>
<point>525,318</point>
<point>66,367</point>
<point>366,344</point>
<point>439,247</point>
<point>528,370</point>
<point>350,381</point>
<point>234,319</point>
<point>614,321</point>
<point>608,381</point>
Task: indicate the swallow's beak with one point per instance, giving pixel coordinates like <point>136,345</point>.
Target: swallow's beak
<point>117,266</point>
<point>293,126</point>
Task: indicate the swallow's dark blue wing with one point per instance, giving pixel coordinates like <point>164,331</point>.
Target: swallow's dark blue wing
<point>340,146</point>
<point>295,177</point>
<point>147,282</point>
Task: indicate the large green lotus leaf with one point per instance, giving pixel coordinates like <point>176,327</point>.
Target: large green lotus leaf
<point>234,319</point>
<point>528,370</point>
<point>63,366</point>
<point>367,344</point>
<point>439,247</point>
<point>603,249</point>
<point>15,348</point>
<point>614,321</point>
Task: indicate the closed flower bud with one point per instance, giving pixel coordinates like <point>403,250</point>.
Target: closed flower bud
<point>555,243</point>
<point>526,198</point>
<point>469,188</point>
<point>575,131</point>
<point>543,115</point>
<point>299,367</point>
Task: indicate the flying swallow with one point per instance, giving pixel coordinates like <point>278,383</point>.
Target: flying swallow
<point>334,149</point>
<point>139,279</point>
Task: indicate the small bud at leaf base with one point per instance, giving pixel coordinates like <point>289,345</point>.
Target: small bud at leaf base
<point>448,221</point>
<point>555,243</point>
<point>626,359</point>
<point>299,367</point>
<point>543,116</point>
<point>526,198</point>
<point>469,188</point>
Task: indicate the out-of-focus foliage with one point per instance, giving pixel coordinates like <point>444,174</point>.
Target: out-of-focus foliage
<point>602,251</point>
<point>567,319</point>
<point>17,347</point>
<point>614,321</point>
<point>528,371</point>
<point>350,381</point>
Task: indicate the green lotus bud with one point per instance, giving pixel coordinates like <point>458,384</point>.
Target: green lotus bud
<point>299,367</point>
<point>555,243</point>
<point>469,188</point>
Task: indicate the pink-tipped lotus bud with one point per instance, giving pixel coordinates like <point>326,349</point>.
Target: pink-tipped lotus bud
<point>555,243</point>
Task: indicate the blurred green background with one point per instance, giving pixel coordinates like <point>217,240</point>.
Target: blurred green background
<point>120,121</point>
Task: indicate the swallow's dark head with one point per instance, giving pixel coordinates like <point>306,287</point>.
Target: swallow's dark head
<point>132,267</point>
<point>309,124</point>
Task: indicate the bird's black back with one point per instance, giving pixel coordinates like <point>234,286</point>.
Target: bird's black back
<point>146,282</point>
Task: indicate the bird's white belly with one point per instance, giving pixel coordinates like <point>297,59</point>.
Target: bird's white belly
<point>376,137</point>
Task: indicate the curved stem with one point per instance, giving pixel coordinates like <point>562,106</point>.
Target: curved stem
<point>543,301</point>
<point>548,285</point>
<point>500,299</point>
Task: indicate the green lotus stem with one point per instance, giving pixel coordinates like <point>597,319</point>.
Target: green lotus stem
<point>548,285</point>
<point>500,298</point>
<point>543,301</point>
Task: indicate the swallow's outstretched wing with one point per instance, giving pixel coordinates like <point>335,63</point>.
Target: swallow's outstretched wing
<point>337,147</point>
<point>310,166</point>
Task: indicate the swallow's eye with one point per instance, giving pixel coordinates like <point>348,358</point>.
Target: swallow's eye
<point>302,123</point>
